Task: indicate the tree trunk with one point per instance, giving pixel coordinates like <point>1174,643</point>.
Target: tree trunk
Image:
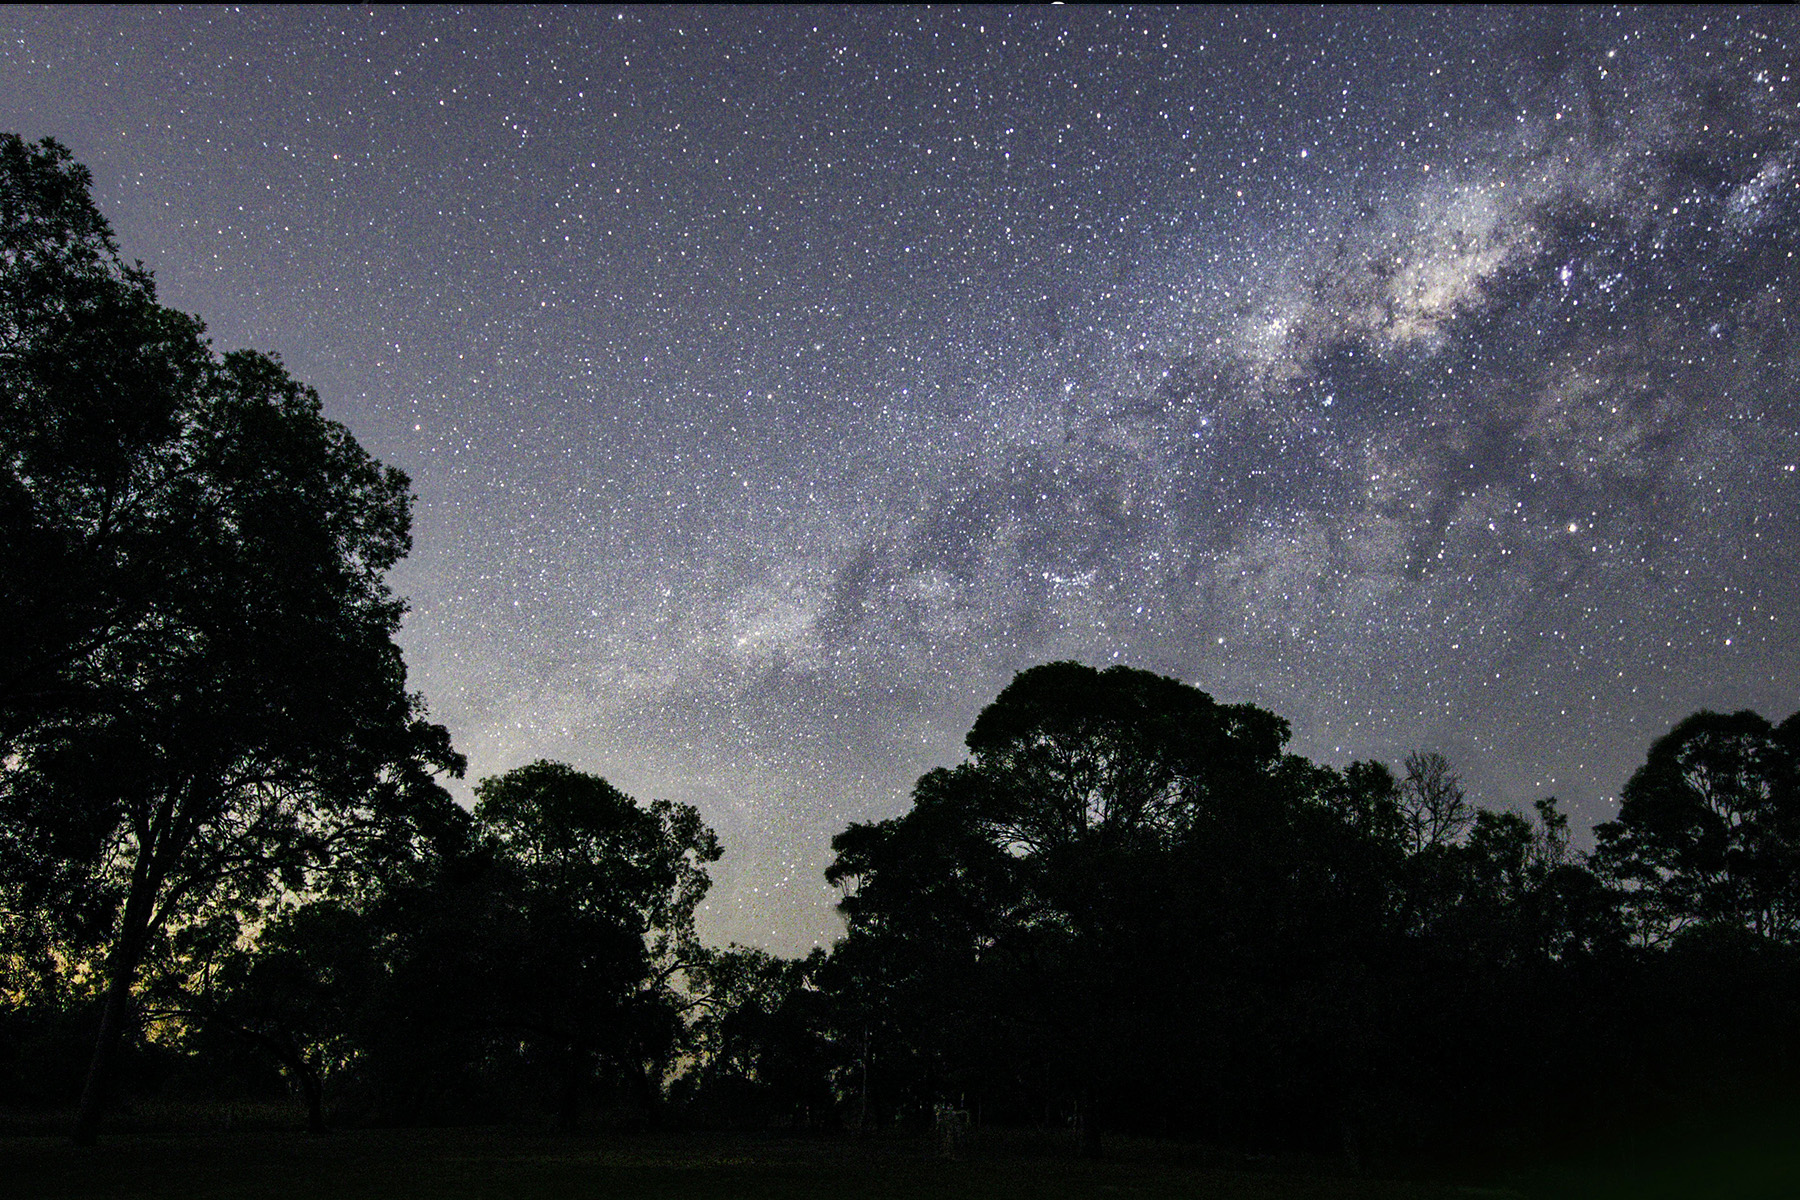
<point>649,1095</point>
<point>313,1088</point>
<point>1087,1125</point>
<point>862,1116</point>
<point>568,1114</point>
<point>128,953</point>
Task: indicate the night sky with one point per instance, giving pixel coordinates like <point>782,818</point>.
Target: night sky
<point>775,384</point>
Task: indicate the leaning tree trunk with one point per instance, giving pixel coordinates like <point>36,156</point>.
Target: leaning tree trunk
<point>122,967</point>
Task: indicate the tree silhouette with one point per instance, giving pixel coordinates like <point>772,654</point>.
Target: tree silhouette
<point>606,900</point>
<point>761,1040</point>
<point>1019,919</point>
<point>1433,806</point>
<point>294,995</point>
<point>1708,830</point>
<point>96,379</point>
<point>206,704</point>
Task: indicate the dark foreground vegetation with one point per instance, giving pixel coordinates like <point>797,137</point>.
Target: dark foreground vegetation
<point>229,875</point>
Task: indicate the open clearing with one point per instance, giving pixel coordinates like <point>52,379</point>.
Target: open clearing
<point>463,1164</point>
<point>520,1164</point>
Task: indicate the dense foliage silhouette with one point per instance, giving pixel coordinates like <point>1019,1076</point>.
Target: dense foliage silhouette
<point>1130,909</point>
<point>204,702</point>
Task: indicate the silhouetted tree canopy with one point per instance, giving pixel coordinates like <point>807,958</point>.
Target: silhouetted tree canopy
<point>529,957</point>
<point>762,1042</point>
<point>605,898</point>
<point>1131,908</point>
<point>1117,855</point>
<point>204,702</point>
<point>1708,830</point>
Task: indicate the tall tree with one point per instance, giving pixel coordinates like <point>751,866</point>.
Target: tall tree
<point>1029,899</point>
<point>96,379</point>
<point>1708,830</point>
<point>608,892</point>
<point>205,703</point>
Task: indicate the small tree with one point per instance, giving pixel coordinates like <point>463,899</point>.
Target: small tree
<point>1434,810</point>
<point>294,995</point>
<point>760,1046</point>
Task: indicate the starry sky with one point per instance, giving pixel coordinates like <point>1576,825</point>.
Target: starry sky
<point>777,383</point>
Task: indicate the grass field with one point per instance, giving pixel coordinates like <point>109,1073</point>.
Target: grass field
<point>463,1164</point>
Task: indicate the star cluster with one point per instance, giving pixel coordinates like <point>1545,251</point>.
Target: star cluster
<point>777,383</point>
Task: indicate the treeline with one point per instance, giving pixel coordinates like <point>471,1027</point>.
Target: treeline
<point>507,964</point>
<point>229,869</point>
<point>1131,910</point>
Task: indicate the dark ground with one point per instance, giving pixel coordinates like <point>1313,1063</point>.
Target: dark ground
<point>452,1164</point>
<point>519,1164</point>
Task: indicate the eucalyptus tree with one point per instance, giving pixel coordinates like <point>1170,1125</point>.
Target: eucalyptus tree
<point>605,893</point>
<point>202,703</point>
<point>1068,903</point>
<point>1708,831</point>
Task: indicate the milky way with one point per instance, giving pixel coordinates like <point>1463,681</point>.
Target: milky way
<point>776,384</point>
